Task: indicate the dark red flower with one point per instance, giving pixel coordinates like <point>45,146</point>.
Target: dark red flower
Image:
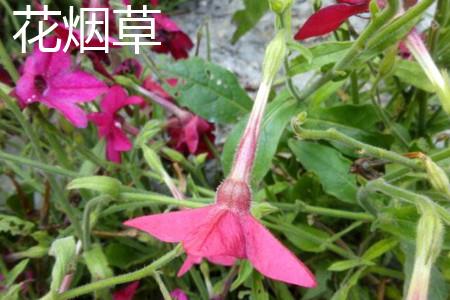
<point>155,87</point>
<point>173,39</point>
<point>329,18</point>
<point>130,66</point>
<point>188,134</point>
<point>5,77</point>
<point>110,124</point>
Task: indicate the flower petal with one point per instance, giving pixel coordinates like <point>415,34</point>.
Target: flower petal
<point>120,141</point>
<point>171,227</point>
<point>75,87</point>
<point>329,19</point>
<point>71,111</point>
<point>219,235</point>
<point>112,154</point>
<point>271,258</point>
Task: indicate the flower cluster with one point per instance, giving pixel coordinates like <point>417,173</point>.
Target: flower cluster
<point>52,79</point>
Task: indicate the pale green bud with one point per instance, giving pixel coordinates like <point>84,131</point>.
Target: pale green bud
<point>275,53</point>
<point>437,176</point>
<point>103,184</point>
<point>279,6</point>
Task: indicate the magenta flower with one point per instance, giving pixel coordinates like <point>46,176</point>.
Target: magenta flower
<point>111,125</point>
<point>225,232</point>
<point>49,78</point>
<point>127,292</point>
<point>330,18</point>
<point>173,39</point>
<point>179,294</point>
<point>188,134</point>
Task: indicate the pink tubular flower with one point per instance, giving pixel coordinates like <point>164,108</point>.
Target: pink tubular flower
<point>330,18</point>
<point>110,124</point>
<point>188,133</point>
<point>48,78</point>
<point>226,231</point>
<point>179,294</point>
<point>127,292</point>
<point>173,39</point>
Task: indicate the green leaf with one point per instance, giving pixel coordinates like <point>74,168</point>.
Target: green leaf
<point>208,90</point>
<point>344,265</point>
<point>15,226</point>
<point>304,237</point>
<point>330,166</point>
<point>412,73</point>
<point>359,116</point>
<point>258,292</point>
<point>294,45</point>
<point>277,116</point>
<point>323,54</point>
<point>245,270</point>
<point>248,17</point>
<point>379,248</point>
<point>64,251</point>
<point>15,272</point>
<point>102,184</point>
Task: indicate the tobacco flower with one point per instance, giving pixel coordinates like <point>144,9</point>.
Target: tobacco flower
<point>330,18</point>
<point>50,79</point>
<point>173,39</point>
<point>111,125</point>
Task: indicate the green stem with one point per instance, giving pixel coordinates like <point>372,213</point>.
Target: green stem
<point>401,21</point>
<point>160,199</point>
<point>334,135</point>
<point>10,13</point>
<point>129,277</point>
<point>8,64</point>
<point>379,185</point>
<point>323,211</point>
<point>375,24</point>
<point>354,87</point>
<point>438,156</point>
<point>32,136</point>
<point>38,165</point>
<point>93,203</point>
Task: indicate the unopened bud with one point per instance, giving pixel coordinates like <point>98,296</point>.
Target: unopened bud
<point>279,6</point>
<point>275,53</point>
<point>437,176</point>
<point>430,233</point>
<point>103,184</point>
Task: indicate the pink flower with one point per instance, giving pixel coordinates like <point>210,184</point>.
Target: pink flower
<point>187,134</point>
<point>110,124</point>
<point>224,233</point>
<point>49,78</point>
<point>127,292</point>
<point>172,39</point>
<point>330,18</point>
<point>179,294</point>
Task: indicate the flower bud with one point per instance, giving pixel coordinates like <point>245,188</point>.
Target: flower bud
<point>235,195</point>
<point>275,53</point>
<point>437,176</point>
<point>103,184</point>
<point>430,232</point>
<point>279,6</point>
<point>439,79</point>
